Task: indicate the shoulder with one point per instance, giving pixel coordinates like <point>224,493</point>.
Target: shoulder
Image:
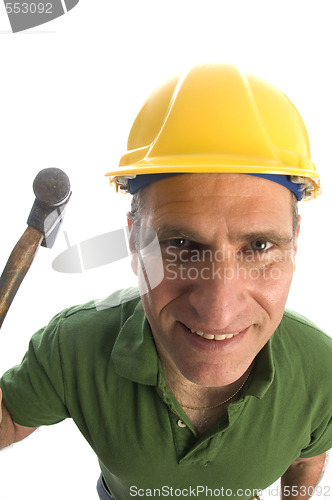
<point>84,326</point>
<point>119,305</point>
<point>303,347</point>
<point>300,330</point>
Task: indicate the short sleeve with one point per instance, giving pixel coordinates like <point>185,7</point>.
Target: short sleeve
<point>321,440</point>
<point>33,392</point>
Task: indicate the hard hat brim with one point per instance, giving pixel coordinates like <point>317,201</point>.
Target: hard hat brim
<point>200,164</point>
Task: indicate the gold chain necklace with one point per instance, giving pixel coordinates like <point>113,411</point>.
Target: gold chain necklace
<point>219,404</point>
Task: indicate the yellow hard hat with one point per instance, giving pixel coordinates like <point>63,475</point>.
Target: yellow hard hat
<point>217,119</point>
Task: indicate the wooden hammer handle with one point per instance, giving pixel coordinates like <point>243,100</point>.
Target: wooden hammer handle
<point>17,266</point>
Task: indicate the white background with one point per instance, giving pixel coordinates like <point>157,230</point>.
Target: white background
<point>69,92</point>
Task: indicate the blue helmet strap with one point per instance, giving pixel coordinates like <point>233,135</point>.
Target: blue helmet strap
<point>143,180</point>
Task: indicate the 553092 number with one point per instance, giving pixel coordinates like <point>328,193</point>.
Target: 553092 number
<point>29,8</point>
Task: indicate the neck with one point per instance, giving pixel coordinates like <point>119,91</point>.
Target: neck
<point>196,396</point>
<point>202,404</point>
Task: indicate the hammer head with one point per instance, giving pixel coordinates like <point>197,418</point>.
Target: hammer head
<point>52,190</point>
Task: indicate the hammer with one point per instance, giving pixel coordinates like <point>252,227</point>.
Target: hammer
<point>52,190</point>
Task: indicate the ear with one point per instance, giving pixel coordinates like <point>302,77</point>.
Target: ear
<point>132,242</point>
<point>296,237</point>
<point>297,232</point>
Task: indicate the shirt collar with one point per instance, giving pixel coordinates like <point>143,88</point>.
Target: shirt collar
<point>134,353</point>
<point>264,372</point>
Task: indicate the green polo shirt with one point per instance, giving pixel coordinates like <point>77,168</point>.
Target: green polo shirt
<point>99,366</point>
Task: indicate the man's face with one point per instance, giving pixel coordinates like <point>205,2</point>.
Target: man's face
<point>228,246</point>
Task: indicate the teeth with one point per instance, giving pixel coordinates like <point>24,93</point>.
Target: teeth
<point>209,336</point>
<point>220,337</point>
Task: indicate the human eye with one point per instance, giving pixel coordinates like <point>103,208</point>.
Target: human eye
<point>260,245</point>
<point>259,252</point>
<point>175,245</point>
<point>177,242</point>
<point>179,248</point>
<point>258,248</point>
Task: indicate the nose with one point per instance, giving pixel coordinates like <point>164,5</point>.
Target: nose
<point>219,297</point>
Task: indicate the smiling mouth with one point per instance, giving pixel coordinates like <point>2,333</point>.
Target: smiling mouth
<point>209,336</point>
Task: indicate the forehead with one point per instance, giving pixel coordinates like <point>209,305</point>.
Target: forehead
<point>216,199</point>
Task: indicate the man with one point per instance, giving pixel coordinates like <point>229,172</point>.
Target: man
<point>204,386</point>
